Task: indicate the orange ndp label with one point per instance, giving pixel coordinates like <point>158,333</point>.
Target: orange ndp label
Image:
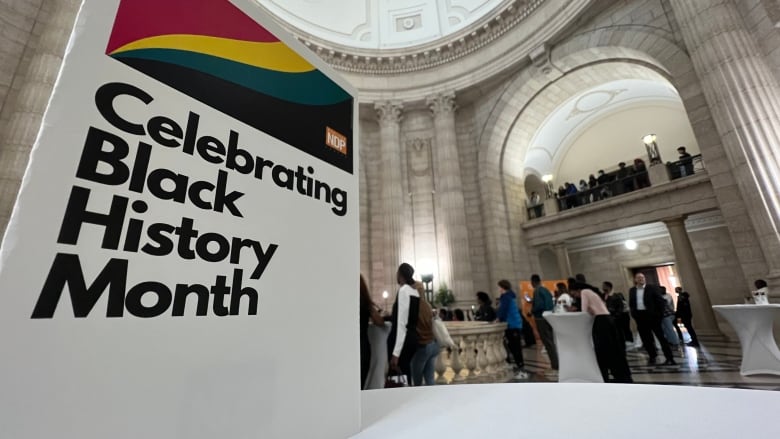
<point>336,140</point>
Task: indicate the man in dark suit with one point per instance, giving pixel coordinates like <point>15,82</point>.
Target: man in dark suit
<point>647,308</point>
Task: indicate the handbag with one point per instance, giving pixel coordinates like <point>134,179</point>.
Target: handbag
<point>441,334</point>
<point>398,380</point>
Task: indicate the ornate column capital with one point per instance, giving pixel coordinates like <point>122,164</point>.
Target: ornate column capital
<point>442,103</point>
<point>389,112</point>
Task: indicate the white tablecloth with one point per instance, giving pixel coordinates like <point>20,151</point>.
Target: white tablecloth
<point>543,410</point>
<point>576,357</point>
<point>753,324</point>
<point>377,336</point>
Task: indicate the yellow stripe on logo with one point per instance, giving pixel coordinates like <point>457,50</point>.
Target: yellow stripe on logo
<point>272,56</point>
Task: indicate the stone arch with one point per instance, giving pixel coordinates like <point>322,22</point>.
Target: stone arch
<point>630,46</point>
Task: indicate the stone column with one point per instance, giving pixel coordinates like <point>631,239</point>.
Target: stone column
<point>691,278</point>
<point>744,98</point>
<point>27,108</point>
<point>392,197</point>
<point>564,265</point>
<point>453,241</point>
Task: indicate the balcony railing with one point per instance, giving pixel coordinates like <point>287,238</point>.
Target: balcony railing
<point>479,355</point>
<point>615,186</point>
<point>684,168</point>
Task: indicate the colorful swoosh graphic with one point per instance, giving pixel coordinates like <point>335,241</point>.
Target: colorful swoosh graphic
<point>212,51</point>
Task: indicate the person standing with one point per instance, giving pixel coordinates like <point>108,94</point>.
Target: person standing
<point>485,312</point>
<point>667,323</point>
<point>424,359</point>
<point>543,301</point>
<point>509,313</point>
<point>368,311</point>
<point>618,309</point>
<point>402,341</point>
<point>685,315</point>
<point>607,341</point>
<point>536,204</point>
<point>647,308</point>
<point>686,162</point>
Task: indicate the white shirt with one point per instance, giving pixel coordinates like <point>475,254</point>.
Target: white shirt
<point>563,301</point>
<point>404,298</point>
<point>640,297</point>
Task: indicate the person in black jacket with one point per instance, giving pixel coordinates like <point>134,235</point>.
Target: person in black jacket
<point>685,316</point>
<point>485,312</point>
<point>618,308</point>
<point>647,309</point>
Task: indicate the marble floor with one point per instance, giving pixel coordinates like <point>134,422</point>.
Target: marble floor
<point>714,364</point>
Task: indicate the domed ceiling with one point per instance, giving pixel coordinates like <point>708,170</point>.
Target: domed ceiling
<point>382,24</point>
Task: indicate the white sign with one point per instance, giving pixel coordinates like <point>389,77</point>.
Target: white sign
<point>182,261</point>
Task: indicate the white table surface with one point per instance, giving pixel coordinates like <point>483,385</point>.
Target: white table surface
<point>554,410</point>
<point>574,340</point>
<point>753,324</point>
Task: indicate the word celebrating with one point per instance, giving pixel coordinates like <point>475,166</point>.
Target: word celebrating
<point>109,159</point>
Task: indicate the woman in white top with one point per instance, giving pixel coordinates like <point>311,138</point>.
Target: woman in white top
<point>402,341</point>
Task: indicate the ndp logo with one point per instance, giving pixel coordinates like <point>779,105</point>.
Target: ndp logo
<point>336,140</point>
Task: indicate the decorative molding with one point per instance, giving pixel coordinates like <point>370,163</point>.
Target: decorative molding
<point>694,223</point>
<point>419,149</point>
<point>415,59</point>
<point>609,95</point>
<point>442,104</point>
<point>389,112</point>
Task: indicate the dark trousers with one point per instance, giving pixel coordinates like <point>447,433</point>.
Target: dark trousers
<point>515,345</point>
<point>647,325</point>
<point>528,333</point>
<point>407,352</point>
<point>623,322</point>
<point>688,327</point>
<point>610,350</point>
<point>546,334</point>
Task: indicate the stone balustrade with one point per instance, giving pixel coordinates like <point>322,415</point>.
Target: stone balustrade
<point>479,356</point>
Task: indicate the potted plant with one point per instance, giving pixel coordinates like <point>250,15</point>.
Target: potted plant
<point>444,296</point>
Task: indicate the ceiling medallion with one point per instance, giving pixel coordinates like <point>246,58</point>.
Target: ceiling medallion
<point>594,100</point>
<point>463,44</point>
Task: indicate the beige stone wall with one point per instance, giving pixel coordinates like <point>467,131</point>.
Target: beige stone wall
<point>722,275</point>
<point>467,146</point>
<point>17,20</point>
<point>761,16</point>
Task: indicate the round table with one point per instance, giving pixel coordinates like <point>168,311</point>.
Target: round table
<point>753,324</point>
<point>573,339</point>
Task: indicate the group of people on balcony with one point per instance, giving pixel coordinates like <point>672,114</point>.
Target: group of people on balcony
<point>624,179</point>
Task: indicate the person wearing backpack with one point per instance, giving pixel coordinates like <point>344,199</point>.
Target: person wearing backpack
<point>543,301</point>
<point>424,358</point>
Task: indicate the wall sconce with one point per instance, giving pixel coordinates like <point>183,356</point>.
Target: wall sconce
<point>385,295</point>
<point>548,185</point>
<point>427,280</point>
<point>652,149</point>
